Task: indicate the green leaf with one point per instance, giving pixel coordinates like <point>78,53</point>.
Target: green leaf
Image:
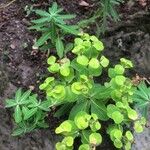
<point>69,29</point>
<point>78,41</point>
<point>18,95</point>
<point>104,61</point>
<point>18,114</point>
<point>118,143</point>
<point>68,141</point>
<point>98,45</point>
<point>54,8</point>
<point>132,114</point>
<point>60,146</point>
<point>129,136</point>
<point>144,90</point>
<point>110,109</point>
<point>84,147</point>
<point>54,68</point>
<point>45,105</point>
<point>82,120</point>
<point>120,105</point>
<point>80,106</point>
<point>126,63</point>
<point>95,138</point>
<point>10,103</point>
<point>117,134</point>
<point>43,39</point>
<point>18,131</point>
<point>117,117</point>
<point>82,60</point>
<point>120,80</point>
<point>94,38</point>
<point>85,136</point>
<point>128,146</point>
<point>67,126</point>
<point>66,16</point>
<point>46,83</point>
<point>71,76</point>
<point>138,127</point>
<point>58,92</point>
<point>59,47</point>
<point>28,112</point>
<point>65,71</point>
<point>119,69</point>
<point>99,109</point>
<point>25,96</point>
<point>69,47</point>
<point>111,73</point>
<point>36,27</point>
<point>100,92</point>
<point>95,126</point>
<point>94,63</point>
<point>76,88</point>
<point>42,13</point>
<point>70,96</point>
<point>143,121</point>
<point>142,98</point>
<point>41,20</point>
<point>51,60</point>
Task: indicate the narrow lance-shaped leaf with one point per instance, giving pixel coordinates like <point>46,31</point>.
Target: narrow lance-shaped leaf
<point>18,95</point>
<point>59,47</point>
<point>42,13</point>
<point>28,112</point>
<point>10,103</point>
<point>66,16</point>
<point>41,20</point>
<point>18,131</point>
<point>36,27</point>
<point>25,96</point>
<point>69,29</point>
<point>54,8</point>
<point>18,114</point>
<point>43,39</point>
<point>45,105</point>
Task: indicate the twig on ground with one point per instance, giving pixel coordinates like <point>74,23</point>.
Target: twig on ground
<point>6,5</point>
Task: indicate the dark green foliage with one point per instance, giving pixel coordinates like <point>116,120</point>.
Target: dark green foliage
<point>52,25</point>
<point>29,113</point>
<point>107,10</point>
<point>142,98</point>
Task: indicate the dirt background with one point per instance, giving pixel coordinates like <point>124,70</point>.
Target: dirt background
<point>21,66</point>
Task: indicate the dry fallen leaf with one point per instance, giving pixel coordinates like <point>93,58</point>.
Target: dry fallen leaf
<point>31,87</point>
<point>83,3</point>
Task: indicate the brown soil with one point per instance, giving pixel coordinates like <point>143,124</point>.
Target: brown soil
<point>21,66</point>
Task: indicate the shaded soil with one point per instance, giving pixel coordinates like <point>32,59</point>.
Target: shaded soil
<point>21,66</point>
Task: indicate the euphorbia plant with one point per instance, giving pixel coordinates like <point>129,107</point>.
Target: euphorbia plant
<point>29,112</point>
<point>53,26</point>
<point>84,126</point>
<point>73,88</point>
